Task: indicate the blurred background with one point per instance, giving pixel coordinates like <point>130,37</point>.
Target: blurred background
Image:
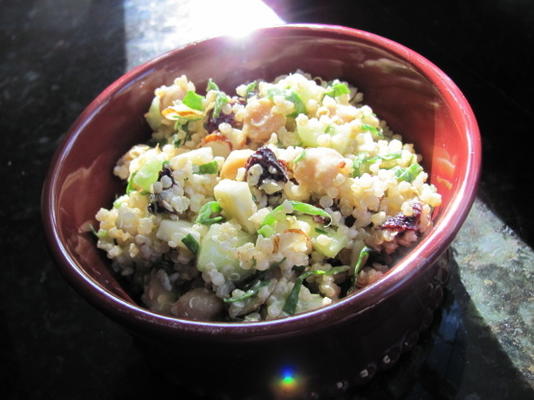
<point>57,55</point>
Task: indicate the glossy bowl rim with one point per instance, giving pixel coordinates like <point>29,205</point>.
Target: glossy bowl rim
<point>424,254</point>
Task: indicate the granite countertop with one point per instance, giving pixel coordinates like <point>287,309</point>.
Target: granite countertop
<point>58,55</point>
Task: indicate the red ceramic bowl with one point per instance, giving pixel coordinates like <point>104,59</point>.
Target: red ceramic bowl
<point>346,341</point>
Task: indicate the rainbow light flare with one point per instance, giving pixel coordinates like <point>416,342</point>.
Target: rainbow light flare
<point>288,382</point>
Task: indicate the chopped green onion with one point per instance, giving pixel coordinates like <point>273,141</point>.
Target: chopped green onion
<point>319,230</point>
<point>220,101</point>
<point>249,293</point>
<point>385,157</point>
<point>100,234</point>
<point>191,243</point>
<point>362,159</point>
<point>330,130</point>
<point>300,157</point>
<point>408,174</point>
<point>270,220</point>
<point>362,259</point>
<point>193,100</point>
<point>206,211</point>
<point>376,132</point>
<point>290,95</point>
<point>338,89</point>
<point>251,88</point>
<point>129,186</point>
<point>357,164</point>
<point>305,208</point>
<point>300,108</point>
<point>209,168</point>
<point>290,305</point>
<point>211,85</point>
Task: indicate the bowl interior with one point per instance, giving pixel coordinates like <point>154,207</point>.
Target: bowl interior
<point>81,179</point>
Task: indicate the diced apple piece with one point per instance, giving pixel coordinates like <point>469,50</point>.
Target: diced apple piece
<point>236,200</point>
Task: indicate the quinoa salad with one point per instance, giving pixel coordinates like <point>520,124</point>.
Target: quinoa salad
<point>281,198</point>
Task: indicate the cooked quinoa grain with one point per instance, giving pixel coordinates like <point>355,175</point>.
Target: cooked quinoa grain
<point>280,199</point>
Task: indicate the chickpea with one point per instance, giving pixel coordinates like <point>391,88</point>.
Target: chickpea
<point>198,304</point>
<point>319,168</point>
<point>260,121</point>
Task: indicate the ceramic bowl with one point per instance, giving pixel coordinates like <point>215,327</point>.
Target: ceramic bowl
<point>344,342</point>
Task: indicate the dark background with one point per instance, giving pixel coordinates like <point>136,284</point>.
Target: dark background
<point>56,56</point>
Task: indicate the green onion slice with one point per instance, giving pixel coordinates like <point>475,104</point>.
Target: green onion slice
<point>278,213</point>
<point>194,101</point>
<point>337,89</point>
<point>376,132</point>
<point>191,243</point>
<point>251,88</point>
<point>290,305</point>
<point>205,214</point>
<point>290,95</point>
<point>209,168</point>
<point>408,174</point>
<point>362,259</point>
<point>253,291</point>
<point>211,85</point>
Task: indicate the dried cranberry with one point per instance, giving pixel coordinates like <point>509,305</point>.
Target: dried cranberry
<point>272,168</point>
<point>402,223</point>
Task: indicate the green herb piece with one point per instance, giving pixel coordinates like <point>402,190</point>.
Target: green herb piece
<point>93,230</point>
<point>300,108</point>
<point>300,157</point>
<point>337,89</point>
<point>211,85</point>
<point>376,132</point>
<point>362,259</point>
<point>206,211</point>
<point>253,291</point>
<point>278,213</point>
<point>220,101</point>
<point>117,203</point>
<point>191,243</point>
<point>385,157</point>
<point>129,186</point>
<point>357,164</point>
<point>290,95</point>
<point>362,160</point>
<point>290,305</point>
<point>305,208</point>
<point>319,230</point>
<point>177,142</point>
<point>330,130</point>
<point>266,231</point>
<point>209,168</point>
<point>408,174</point>
<point>100,234</point>
<point>193,100</point>
<point>251,88</point>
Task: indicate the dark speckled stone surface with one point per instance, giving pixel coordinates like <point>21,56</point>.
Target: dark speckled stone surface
<point>57,55</point>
